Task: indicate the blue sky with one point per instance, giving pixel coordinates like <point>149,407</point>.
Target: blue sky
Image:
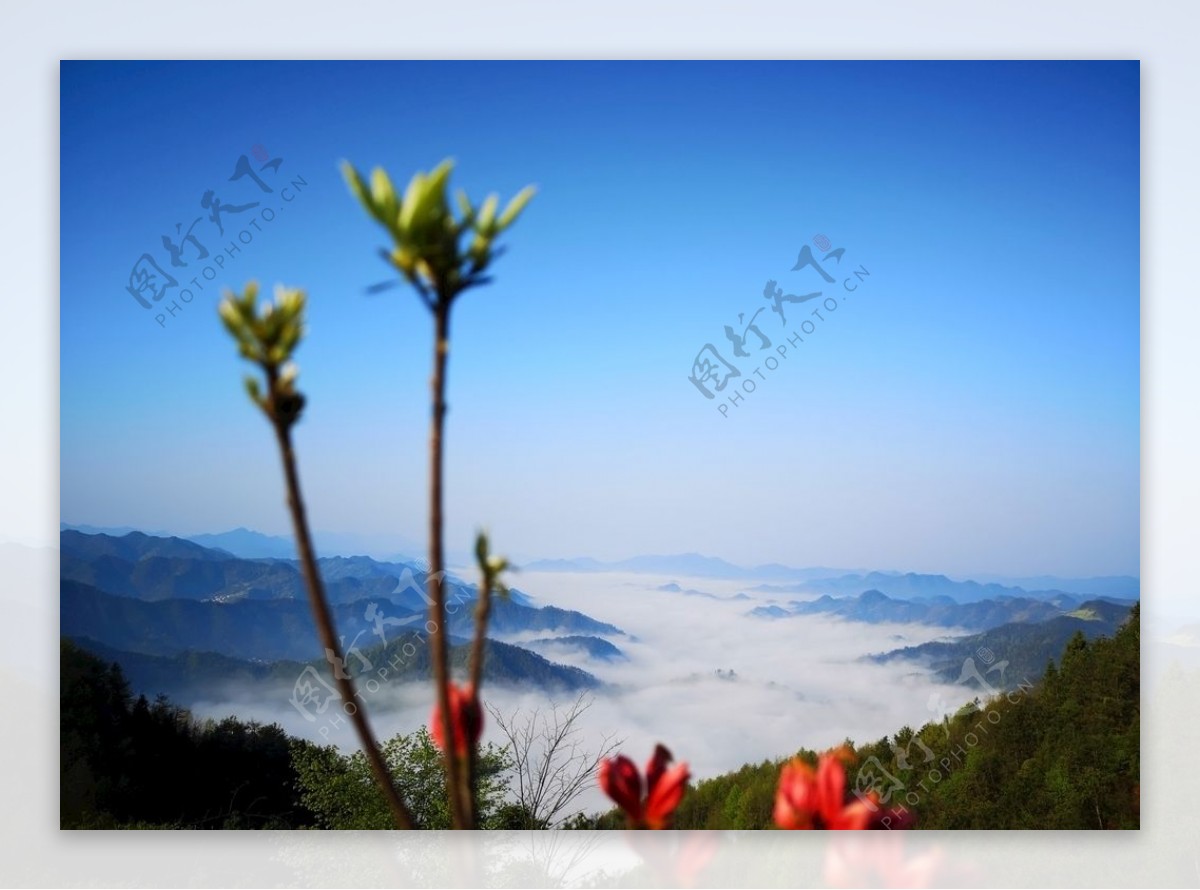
<point>973,407</point>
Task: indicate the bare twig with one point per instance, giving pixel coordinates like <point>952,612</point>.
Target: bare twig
<point>551,763</point>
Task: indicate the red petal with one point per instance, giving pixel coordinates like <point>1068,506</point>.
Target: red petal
<point>831,787</point>
<point>619,779</point>
<point>656,766</point>
<point>795,797</point>
<point>466,720</point>
<point>665,794</point>
<point>788,817</point>
<point>435,727</point>
<point>854,817</point>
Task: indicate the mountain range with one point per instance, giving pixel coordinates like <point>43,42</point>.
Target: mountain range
<point>1011,653</point>
<point>876,607</point>
<point>917,586</point>
<point>842,581</point>
<point>173,610</point>
<point>191,676</point>
<point>250,544</point>
<point>684,564</point>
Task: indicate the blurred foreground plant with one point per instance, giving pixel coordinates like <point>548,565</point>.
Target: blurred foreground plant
<point>809,798</point>
<point>442,255</point>
<point>648,802</point>
<point>268,337</point>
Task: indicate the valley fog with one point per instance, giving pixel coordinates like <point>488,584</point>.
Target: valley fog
<point>782,685</point>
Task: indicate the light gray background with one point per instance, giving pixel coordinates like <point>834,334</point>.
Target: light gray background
<point>32,850</point>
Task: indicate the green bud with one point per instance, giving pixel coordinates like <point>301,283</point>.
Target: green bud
<point>431,201</point>
<point>405,259</point>
<point>479,250</point>
<point>357,186</point>
<point>412,197</point>
<point>231,317</point>
<point>440,176</point>
<point>253,390</point>
<point>384,196</point>
<point>515,206</point>
<point>464,206</point>
<point>487,215</point>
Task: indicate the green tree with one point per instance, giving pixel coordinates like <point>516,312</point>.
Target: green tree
<point>341,790</point>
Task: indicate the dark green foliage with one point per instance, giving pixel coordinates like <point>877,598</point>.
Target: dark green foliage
<point>132,763</point>
<point>341,791</point>
<point>1023,646</point>
<point>1062,753</point>
<point>742,799</point>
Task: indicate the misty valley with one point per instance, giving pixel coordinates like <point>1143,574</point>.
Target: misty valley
<point>208,652</point>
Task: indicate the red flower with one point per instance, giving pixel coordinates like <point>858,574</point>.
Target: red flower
<point>663,788</point>
<point>806,799</point>
<point>466,720</point>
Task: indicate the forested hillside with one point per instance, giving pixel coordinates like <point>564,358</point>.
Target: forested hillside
<point>130,763</point>
<point>1060,753</point>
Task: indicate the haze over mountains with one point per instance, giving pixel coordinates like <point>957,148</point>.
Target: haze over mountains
<point>1012,653</point>
<point>874,607</point>
<point>177,615</point>
<point>833,653</point>
<point>844,581</point>
<point>250,544</point>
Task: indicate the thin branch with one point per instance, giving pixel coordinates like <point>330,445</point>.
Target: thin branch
<point>561,769</point>
<point>324,620</point>
<point>483,607</point>
<point>437,593</point>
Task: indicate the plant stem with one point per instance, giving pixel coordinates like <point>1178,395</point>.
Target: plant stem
<point>437,593</point>
<point>483,607</point>
<point>324,621</point>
